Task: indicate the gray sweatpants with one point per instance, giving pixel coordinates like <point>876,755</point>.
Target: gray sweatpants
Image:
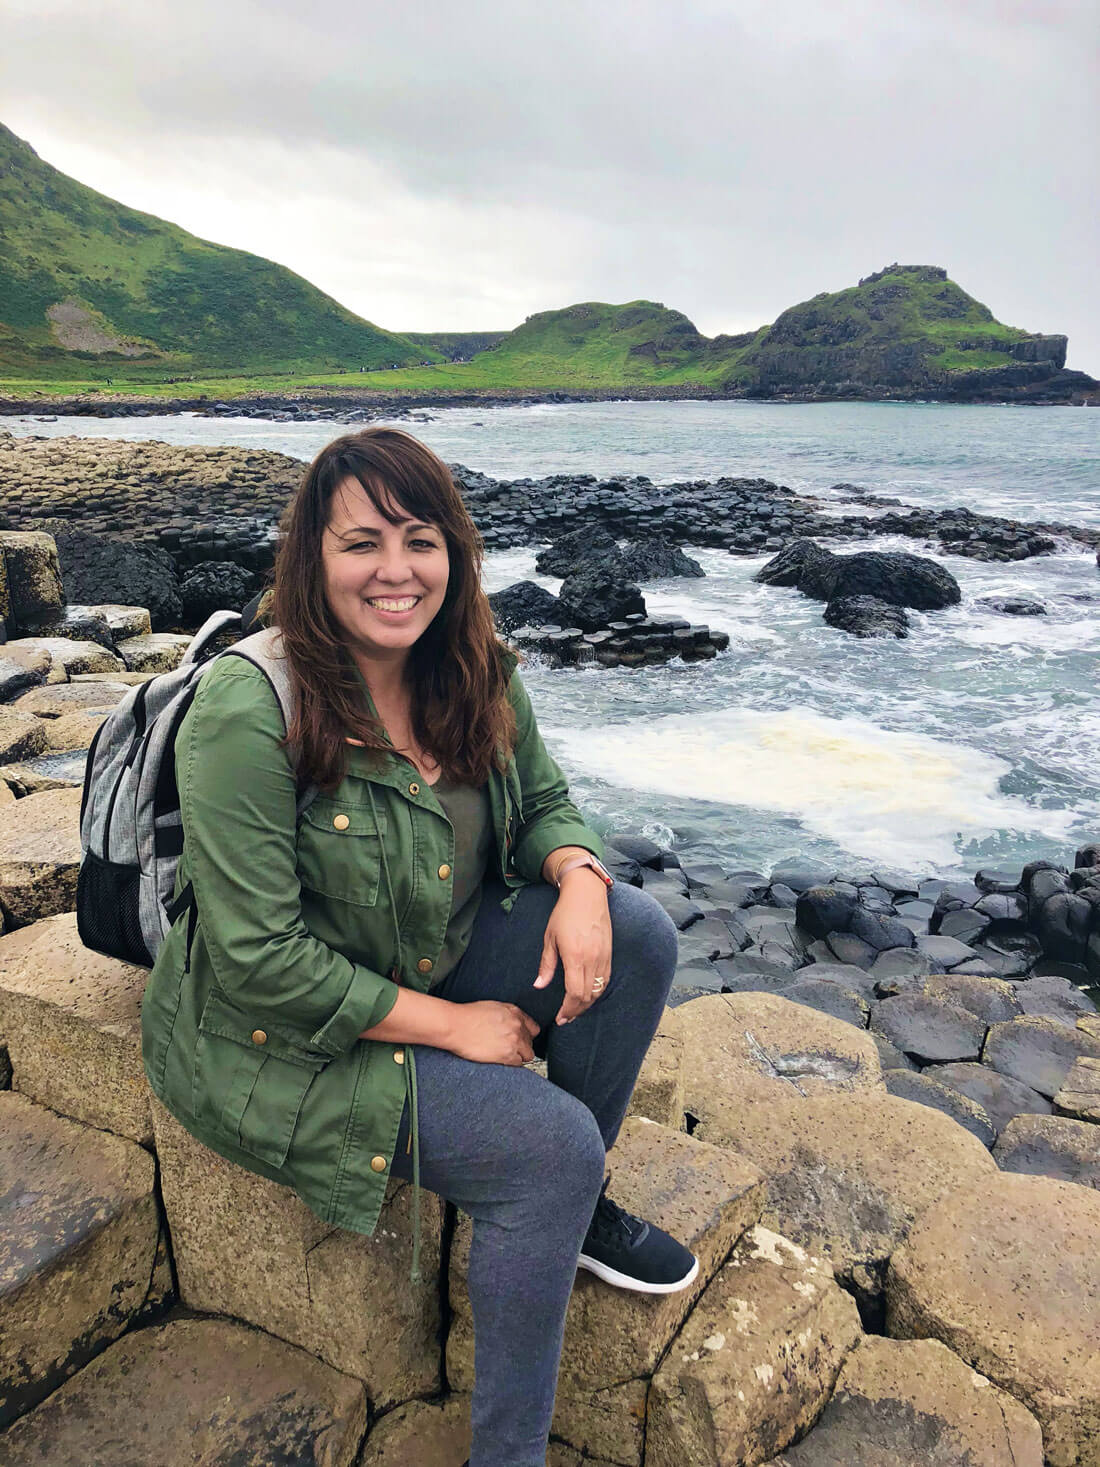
<point>524,1158</point>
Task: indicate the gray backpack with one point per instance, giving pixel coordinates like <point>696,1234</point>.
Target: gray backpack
<point>131,830</point>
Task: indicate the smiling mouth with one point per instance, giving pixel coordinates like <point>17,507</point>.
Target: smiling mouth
<point>392,603</point>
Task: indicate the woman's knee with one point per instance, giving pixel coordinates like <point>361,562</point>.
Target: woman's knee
<point>569,1156</point>
<point>643,934</point>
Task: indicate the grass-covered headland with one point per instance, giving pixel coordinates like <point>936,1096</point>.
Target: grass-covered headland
<point>96,298</point>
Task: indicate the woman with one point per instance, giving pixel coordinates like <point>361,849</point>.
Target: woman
<point>359,986</point>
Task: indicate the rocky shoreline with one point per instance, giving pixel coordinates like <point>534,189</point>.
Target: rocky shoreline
<point>872,1110</point>
<point>1064,389</point>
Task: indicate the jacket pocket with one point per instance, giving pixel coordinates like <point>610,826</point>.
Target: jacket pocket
<point>247,1093</point>
<point>340,851</point>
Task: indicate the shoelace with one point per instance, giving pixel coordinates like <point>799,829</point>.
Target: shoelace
<point>610,1222</point>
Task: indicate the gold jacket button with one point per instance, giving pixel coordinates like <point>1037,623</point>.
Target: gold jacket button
<point>399,1056</point>
<point>341,822</point>
<point>414,788</point>
<point>444,871</point>
<point>378,1164</point>
<point>259,1037</point>
<point>424,965</point>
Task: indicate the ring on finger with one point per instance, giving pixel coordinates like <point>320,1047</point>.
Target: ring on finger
<point>598,985</point>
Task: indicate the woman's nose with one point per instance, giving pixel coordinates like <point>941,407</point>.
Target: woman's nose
<point>393,564</point>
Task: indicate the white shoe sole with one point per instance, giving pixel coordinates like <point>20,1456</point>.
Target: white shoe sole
<point>637,1286</point>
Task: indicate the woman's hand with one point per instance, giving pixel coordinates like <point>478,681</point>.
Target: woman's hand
<point>492,1033</point>
<point>579,933</point>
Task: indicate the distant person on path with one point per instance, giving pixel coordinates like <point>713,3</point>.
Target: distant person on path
<point>358,988</point>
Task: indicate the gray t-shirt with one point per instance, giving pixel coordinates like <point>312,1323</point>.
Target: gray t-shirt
<point>468,810</point>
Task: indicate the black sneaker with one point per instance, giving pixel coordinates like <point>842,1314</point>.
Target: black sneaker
<point>632,1254</point>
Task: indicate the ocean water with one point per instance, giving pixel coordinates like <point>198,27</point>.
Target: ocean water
<point>973,743</point>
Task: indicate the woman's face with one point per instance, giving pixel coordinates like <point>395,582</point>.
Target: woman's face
<point>384,583</point>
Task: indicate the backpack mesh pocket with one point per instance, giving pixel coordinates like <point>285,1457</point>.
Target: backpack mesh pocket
<point>108,912</point>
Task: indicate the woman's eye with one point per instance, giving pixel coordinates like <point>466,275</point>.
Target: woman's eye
<point>424,544</point>
<point>361,545</point>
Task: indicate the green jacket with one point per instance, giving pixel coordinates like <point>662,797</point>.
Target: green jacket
<point>252,1039</point>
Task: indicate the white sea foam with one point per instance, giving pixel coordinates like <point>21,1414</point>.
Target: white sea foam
<point>902,798</point>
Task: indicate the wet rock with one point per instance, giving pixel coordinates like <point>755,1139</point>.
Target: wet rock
<point>163,1395</point>
<point>588,547</point>
<point>988,881</point>
<point>39,856</point>
<point>802,872</point>
<point>926,1091</point>
<point>72,1021</point>
<point>638,848</point>
<point>78,624</point>
<point>1005,1249</point>
<point>652,560</point>
<point>756,1360</point>
<point>1051,1146</point>
<point>892,576</point>
<point>1011,605</point>
<point>525,603</point>
<point>249,1248</point>
<point>591,600</point>
<point>866,616</point>
<point>78,1235</point>
<point>1039,1052</point>
<point>913,1403</point>
<point>929,1029</point>
<point>214,585</point>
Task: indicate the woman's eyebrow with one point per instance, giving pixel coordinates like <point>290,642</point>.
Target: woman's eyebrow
<point>376,530</point>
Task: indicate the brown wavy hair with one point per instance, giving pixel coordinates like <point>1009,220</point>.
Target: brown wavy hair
<point>458,670</point>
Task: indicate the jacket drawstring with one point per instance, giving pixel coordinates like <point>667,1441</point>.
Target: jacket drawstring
<point>410,1058</point>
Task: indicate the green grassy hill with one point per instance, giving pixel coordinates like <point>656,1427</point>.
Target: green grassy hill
<point>85,280</point>
<point>908,326</point>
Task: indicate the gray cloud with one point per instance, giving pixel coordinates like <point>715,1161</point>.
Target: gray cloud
<point>459,166</point>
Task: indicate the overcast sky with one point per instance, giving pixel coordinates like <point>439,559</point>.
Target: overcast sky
<point>459,164</point>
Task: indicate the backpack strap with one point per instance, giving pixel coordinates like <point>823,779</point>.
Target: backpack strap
<point>265,651</point>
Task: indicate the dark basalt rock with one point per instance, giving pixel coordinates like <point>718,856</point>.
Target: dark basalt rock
<point>867,616</point>
<point>822,909</point>
<point>896,577</point>
<point>1053,998</point>
<point>521,604</point>
<point>881,933</point>
<point>638,848</point>
<point>829,997</point>
<point>923,1089</point>
<point>652,560</point>
<point>81,624</point>
<point>1011,605</point>
<point>1000,1096</point>
<point>214,585</point>
<point>1039,1052</point>
<point>591,600</point>
<point>929,1029</point>
<point>98,571</point>
<point>1063,925</point>
<point>588,548</point>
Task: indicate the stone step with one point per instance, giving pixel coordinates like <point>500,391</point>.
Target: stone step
<point>195,1391</point>
<point>755,1363</point>
<point>81,1254</point>
<point>71,1020</point>
<point>912,1403</point>
<point>614,1340</point>
<point>247,1247</point>
<point>39,856</point>
<point>1004,1273</point>
<point>659,1089</point>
